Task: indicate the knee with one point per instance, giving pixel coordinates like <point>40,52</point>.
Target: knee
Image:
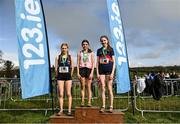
<point>68,95</point>
<point>61,95</point>
<point>82,86</point>
<point>110,88</point>
<point>103,88</point>
<point>110,92</point>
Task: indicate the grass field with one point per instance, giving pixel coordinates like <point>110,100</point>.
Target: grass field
<point>39,116</point>
<point>165,103</point>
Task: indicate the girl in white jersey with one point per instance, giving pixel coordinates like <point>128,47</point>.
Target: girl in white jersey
<point>85,69</point>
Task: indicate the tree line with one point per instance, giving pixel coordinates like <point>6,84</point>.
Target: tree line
<point>8,70</point>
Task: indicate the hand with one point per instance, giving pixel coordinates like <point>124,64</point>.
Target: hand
<point>99,83</point>
<point>56,75</point>
<point>90,76</point>
<point>111,76</point>
<point>71,74</point>
<point>98,77</point>
<point>98,80</point>
<point>79,76</point>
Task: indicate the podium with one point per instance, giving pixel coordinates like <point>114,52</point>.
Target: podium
<point>89,115</point>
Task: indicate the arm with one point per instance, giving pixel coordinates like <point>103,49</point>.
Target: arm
<point>113,69</point>
<point>92,71</point>
<point>78,63</point>
<point>72,66</point>
<point>97,70</point>
<point>56,66</point>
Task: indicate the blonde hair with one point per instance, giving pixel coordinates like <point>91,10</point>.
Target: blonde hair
<point>64,44</point>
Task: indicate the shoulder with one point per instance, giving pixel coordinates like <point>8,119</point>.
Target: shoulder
<point>99,49</point>
<point>79,53</point>
<point>92,53</point>
<point>112,50</point>
<point>57,57</point>
<point>70,57</point>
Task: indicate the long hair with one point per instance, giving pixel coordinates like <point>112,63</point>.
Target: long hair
<point>86,41</point>
<point>68,56</point>
<point>108,47</point>
<point>64,44</point>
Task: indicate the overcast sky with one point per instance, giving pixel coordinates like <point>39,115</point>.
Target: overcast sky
<point>152,28</point>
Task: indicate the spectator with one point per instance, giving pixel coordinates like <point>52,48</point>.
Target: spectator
<point>174,75</point>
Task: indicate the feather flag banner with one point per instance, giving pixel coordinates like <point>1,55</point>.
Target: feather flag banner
<point>33,48</point>
<point>118,43</point>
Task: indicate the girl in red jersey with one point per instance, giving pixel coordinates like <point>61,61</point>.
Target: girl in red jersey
<point>105,68</point>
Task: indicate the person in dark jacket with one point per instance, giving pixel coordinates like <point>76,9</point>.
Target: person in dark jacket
<point>154,86</point>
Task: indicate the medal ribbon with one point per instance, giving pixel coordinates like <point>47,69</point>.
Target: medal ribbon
<point>104,52</point>
<point>85,57</point>
<point>63,59</point>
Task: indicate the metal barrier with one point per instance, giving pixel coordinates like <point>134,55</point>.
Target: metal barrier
<point>11,100</point>
<point>121,101</point>
<point>169,102</point>
<point>4,88</point>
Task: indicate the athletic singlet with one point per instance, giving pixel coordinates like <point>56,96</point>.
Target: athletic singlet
<point>85,60</point>
<point>105,60</point>
<point>64,66</point>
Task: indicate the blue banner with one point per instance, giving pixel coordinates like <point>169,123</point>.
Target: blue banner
<point>118,43</point>
<point>33,50</point>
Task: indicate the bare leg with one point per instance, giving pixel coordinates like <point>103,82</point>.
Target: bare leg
<point>61,94</point>
<point>103,89</point>
<point>68,91</point>
<point>110,81</point>
<point>89,91</point>
<point>82,90</point>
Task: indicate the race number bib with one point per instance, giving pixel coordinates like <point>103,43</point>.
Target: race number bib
<point>104,60</point>
<point>63,69</point>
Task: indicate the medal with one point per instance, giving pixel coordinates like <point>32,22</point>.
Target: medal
<point>63,69</point>
<point>85,57</point>
<point>104,59</point>
<point>63,59</point>
<point>104,51</point>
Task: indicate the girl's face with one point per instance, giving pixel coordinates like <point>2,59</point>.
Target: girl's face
<point>85,45</point>
<point>104,42</point>
<point>64,49</point>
